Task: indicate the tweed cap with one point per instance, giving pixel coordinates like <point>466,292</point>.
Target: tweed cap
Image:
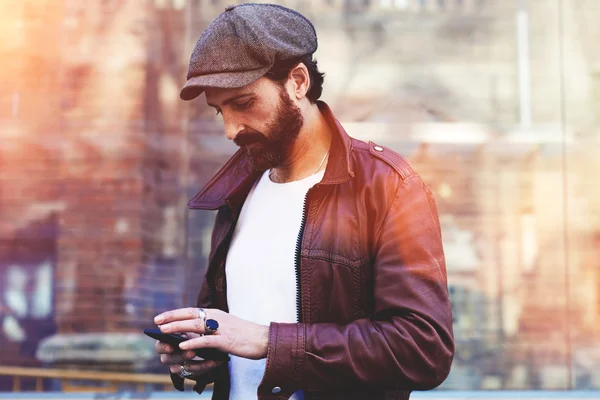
<point>243,43</point>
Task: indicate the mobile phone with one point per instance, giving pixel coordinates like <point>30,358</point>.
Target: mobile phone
<point>174,339</point>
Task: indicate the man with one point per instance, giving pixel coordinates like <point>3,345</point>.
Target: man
<point>326,277</point>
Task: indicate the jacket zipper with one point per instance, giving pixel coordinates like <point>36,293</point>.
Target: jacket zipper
<point>297,257</point>
<point>297,262</point>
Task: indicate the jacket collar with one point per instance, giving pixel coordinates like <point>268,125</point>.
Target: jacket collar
<point>237,176</point>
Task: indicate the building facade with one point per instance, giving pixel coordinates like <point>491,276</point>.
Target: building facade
<point>493,101</point>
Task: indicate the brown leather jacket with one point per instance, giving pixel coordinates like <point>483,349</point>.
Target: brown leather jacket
<point>374,315</point>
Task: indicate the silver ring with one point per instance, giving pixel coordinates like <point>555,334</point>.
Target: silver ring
<point>184,373</point>
<point>202,315</point>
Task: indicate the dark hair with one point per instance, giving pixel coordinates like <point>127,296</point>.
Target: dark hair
<point>281,69</point>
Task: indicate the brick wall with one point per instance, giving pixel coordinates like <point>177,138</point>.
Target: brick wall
<point>93,133</point>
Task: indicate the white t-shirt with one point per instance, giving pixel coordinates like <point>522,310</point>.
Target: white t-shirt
<point>260,268</point>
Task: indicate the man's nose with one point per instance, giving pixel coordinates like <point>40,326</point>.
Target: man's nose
<point>232,128</point>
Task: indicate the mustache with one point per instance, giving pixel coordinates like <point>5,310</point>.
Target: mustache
<point>249,137</point>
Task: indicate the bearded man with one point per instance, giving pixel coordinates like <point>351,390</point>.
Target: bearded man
<point>326,277</point>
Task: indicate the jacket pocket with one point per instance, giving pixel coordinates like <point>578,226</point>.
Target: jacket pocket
<point>336,288</point>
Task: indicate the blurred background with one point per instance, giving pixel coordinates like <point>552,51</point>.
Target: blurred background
<point>493,101</point>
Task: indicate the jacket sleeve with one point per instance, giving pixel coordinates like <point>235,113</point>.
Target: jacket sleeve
<point>408,343</point>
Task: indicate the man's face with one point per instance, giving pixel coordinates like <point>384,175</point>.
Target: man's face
<point>261,118</point>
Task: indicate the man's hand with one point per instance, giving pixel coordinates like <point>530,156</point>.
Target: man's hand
<point>174,359</point>
<point>235,336</point>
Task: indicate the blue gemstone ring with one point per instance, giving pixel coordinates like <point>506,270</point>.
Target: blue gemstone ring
<point>211,326</point>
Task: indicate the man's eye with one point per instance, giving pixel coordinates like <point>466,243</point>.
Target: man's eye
<point>218,112</point>
<point>244,105</point>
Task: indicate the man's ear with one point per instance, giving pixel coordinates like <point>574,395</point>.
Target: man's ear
<point>300,79</point>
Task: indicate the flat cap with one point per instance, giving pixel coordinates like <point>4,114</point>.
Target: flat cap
<point>243,43</point>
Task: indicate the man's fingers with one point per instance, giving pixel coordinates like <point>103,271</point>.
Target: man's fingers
<point>202,342</point>
<point>197,367</point>
<point>177,358</point>
<point>163,348</point>
<point>172,359</point>
<point>191,325</point>
<point>180,314</point>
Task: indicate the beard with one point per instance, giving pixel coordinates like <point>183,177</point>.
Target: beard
<point>272,149</point>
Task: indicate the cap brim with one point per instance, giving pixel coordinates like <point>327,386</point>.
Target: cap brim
<point>225,80</point>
